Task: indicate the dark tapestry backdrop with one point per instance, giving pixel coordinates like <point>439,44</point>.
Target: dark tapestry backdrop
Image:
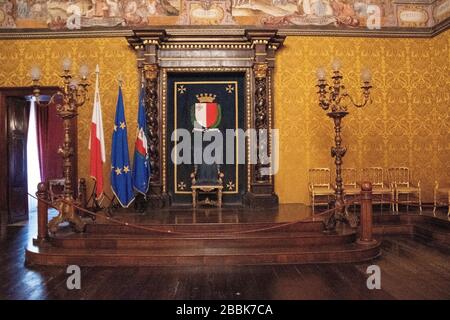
<point>184,90</point>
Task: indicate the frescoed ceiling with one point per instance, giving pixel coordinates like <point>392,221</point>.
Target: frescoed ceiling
<point>341,15</point>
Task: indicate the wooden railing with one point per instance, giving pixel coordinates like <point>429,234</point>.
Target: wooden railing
<point>42,211</point>
<point>366,219</point>
<point>44,201</point>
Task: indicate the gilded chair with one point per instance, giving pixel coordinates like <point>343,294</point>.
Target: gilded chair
<point>375,175</point>
<point>320,187</point>
<point>441,197</point>
<point>400,180</point>
<point>350,184</point>
<point>207,179</point>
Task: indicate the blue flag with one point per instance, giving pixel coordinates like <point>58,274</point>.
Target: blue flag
<point>141,165</point>
<point>121,180</point>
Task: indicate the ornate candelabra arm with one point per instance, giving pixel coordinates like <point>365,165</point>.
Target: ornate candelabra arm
<point>67,79</point>
<point>81,92</point>
<point>366,96</point>
<point>337,77</point>
<point>80,97</point>
<point>324,102</point>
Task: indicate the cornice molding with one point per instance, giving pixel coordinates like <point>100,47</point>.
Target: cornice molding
<point>232,31</point>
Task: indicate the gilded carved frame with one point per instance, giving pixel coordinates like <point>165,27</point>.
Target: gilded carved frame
<point>248,105</point>
<point>251,52</point>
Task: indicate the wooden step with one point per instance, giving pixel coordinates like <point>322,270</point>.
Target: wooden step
<point>433,233</point>
<point>351,252</point>
<point>147,229</point>
<point>203,240</point>
<point>423,226</point>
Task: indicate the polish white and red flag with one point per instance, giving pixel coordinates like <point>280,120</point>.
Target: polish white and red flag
<point>97,141</point>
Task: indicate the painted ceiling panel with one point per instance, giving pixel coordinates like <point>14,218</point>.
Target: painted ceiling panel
<point>328,15</point>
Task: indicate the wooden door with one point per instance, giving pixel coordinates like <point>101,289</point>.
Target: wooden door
<point>17,109</point>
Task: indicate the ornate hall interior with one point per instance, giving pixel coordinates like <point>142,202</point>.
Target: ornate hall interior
<point>225,150</point>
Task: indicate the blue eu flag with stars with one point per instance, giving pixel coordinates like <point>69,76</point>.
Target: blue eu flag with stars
<point>121,178</point>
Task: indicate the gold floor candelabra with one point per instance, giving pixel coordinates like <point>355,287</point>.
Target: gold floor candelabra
<point>335,99</point>
<point>68,98</point>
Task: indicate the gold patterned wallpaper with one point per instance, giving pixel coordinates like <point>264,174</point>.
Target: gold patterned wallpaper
<point>407,124</point>
<point>114,58</point>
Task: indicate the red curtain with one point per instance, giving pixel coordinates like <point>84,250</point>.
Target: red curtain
<point>50,136</point>
<point>41,128</point>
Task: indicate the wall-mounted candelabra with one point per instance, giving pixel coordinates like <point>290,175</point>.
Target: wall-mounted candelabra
<point>334,97</point>
<point>71,95</point>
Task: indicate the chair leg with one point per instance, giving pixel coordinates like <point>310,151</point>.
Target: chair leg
<point>381,203</point>
<point>393,202</point>
<point>434,203</point>
<point>420,202</point>
<point>313,204</point>
<point>219,198</point>
<point>194,198</point>
<point>397,198</point>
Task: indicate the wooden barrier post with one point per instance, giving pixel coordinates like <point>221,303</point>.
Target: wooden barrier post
<point>42,210</point>
<point>366,214</point>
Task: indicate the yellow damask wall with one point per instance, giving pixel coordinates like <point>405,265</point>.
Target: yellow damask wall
<point>407,124</point>
<point>114,58</point>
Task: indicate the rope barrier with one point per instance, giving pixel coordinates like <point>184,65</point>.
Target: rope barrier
<point>140,227</point>
<point>278,226</point>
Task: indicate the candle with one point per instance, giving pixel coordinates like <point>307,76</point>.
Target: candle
<point>66,64</point>
<point>366,75</point>
<point>84,71</point>
<point>336,65</point>
<point>321,74</point>
<point>35,73</point>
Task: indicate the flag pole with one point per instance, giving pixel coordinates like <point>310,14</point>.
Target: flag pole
<point>97,80</point>
<point>96,144</point>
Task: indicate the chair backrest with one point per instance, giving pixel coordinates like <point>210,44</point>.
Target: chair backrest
<point>375,175</point>
<point>399,176</point>
<point>349,177</point>
<point>207,174</point>
<point>320,177</point>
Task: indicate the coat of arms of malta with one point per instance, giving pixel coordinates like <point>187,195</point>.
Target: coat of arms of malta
<point>206,114</point>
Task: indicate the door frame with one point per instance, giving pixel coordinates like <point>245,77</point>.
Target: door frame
<point>6,92</point>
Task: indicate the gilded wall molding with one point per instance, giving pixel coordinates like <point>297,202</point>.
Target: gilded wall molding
<point>428,32</point>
